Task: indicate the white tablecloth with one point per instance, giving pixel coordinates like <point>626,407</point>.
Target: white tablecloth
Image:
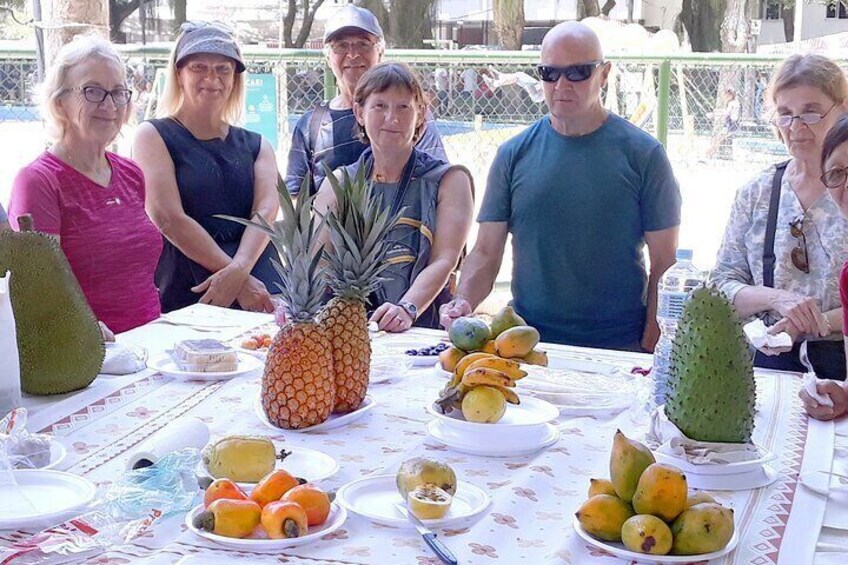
<point>533,497</point>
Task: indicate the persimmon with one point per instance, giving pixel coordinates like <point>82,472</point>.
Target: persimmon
<point>313,500</point>
<point>273,486</point>
<point>222,488</point>
<point>284,519</point>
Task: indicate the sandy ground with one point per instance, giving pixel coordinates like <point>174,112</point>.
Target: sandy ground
<point>707,187</point>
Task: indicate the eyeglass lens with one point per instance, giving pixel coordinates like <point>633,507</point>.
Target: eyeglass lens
<point>95,94</point>
<point>360,46</point>
<point>574,73</point>
<point>835,178</point>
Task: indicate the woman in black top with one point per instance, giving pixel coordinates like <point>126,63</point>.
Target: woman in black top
<point>197,165</point>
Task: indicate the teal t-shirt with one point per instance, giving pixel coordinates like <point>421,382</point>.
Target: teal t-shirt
<point>577,209</point>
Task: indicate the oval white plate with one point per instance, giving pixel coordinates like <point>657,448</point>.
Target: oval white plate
<point>402,345</point>
<point>619,550</point>
<point>165,365</point>
<point>337,517</point>
<point>57,454</point>
<point>717,469</point>
<point>49,495</point>
<point>303,462</point>
<point>334,421</point>
<point>375,498</point>
<point>549,436</point>
<point>531,412</point>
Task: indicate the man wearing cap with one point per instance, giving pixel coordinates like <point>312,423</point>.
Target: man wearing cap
<point>582,191</point>
<point>325,135</point>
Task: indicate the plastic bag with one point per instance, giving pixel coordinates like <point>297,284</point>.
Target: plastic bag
<point>129,507</point>
<point>23,449</point>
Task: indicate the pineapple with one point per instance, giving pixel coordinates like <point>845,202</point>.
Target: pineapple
<point>357,230</point>
<point>298,389</point>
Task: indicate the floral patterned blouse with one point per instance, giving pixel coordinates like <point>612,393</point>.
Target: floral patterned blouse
<point>740,258</point>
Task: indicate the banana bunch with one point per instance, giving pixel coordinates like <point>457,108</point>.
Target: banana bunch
<point>481,369</point>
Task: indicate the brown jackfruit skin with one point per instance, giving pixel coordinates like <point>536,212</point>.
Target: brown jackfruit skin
<point>59,341</point>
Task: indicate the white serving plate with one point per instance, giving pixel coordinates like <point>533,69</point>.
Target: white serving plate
<point>57,454</point>
<point>531,412</point>
<point>502,446</point>
<point>334,421</point>
<point>303,462</point>
<point>758,478</point>
<point>715,468</point>
<point>165,365</point>
<point>622,552</point>
<point>388,365</point>
<point>375,497</point>
<point>48,497</point>
<point>402,345</point>
<point>258,541</point>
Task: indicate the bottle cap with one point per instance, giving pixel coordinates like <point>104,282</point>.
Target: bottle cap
<point>684,255</point>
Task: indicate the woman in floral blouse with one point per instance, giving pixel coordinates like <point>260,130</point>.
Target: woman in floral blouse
<point>795,287</point>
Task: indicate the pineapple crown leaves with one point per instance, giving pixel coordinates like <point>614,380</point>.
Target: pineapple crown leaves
<point>357,230</point>
<point>295,238</point>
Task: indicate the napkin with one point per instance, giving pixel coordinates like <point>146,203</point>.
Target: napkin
<point>757,334</point>
<point>671,441</point>
<point>181,433</point>
<point>810,378</point>
<point>123,360</point>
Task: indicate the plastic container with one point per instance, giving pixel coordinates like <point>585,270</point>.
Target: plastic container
<point>672,293</point>
<point>10,376</point>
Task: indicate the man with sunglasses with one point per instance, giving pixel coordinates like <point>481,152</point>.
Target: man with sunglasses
<point>326,134</point>
<point>581,191</point>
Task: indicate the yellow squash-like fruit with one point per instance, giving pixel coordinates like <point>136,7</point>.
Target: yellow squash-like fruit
<point>243,459</point>
<point>346,324</point>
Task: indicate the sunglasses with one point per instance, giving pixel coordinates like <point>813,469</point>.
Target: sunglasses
<point>574,73</point>
<point>835,178</point>
<point>799,252</point>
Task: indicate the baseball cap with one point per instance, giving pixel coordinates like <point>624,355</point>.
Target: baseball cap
<point>352,17</point>
<point>208,38</point>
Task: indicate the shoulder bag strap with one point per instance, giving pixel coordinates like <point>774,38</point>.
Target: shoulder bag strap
<point>315,121</point>
<point>771,225</point>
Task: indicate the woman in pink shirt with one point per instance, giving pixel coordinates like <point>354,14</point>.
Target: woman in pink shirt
<point>91,200</point>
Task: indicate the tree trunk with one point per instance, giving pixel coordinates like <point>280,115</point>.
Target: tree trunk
<point>66,18</point>
<point>702,21</point>
<point>410,23</point>
<point>787,14</point>
<point>587,8</point>
<point>735,27</point>
<point>609,5</point>
<point>509,23</point>
<point>180,14</point>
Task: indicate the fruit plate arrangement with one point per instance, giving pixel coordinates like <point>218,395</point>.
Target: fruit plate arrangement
<point>258,541</point>
<point>532,412</point>
<point>303,462</point>
<point>509,444</point>
<point>617,549</point>
<point>165,365</point>
<point>375,498</point>
<point>334,421</point>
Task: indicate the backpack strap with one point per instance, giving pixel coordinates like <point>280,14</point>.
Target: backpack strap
<point>315,121</point>
<point>771,225</point>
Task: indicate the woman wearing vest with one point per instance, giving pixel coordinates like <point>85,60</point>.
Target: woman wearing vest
<point>425,245</point>
<point>786,241</point>
<point>197,164</point>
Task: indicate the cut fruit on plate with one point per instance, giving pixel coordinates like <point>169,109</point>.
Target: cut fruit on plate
<point>259,542</point>
<point>618,550</point>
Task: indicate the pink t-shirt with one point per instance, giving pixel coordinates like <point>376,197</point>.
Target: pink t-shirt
<point>843,296</point>
<point>111,244</point>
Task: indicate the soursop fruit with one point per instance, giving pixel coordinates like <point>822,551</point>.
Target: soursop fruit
<point>59,341</point>
<point>712,392</point>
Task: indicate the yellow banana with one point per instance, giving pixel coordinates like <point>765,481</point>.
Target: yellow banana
<point>509,367</point>
<point>509,395</point>
<point>468,360</point>
<point>489,377</point>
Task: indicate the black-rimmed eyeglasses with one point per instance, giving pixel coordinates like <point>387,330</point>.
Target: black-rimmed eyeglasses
<point>574,73</point>
<point>835,178</point>
<point>96,95</point>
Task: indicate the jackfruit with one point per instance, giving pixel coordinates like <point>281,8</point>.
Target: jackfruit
<point>712,393</point>
<point>59,341</point>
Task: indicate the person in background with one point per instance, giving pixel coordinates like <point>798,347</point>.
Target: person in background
<point>324,136</point>
<point>582,192</point>
<point>91,200</point>
<point>730,117</point>
<point>785,240</point>
<point>198,164</point>
<point>436,199</point>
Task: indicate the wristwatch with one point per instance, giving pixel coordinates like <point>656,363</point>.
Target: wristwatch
<point>410,308</point>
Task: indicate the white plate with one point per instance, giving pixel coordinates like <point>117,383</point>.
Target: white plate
<point>758,478</point>
<point>50,496</point>
<point>438,431</point>
<point>57,454</point>
<point>388,365</point>
<point>531,412</point>
<point>402,345</point>
<point>165,365</point>
<point>334,421</point>
<point>717,469</point>
<point>620,551</point>
<point>375,498</point>
<point>303,462</point>
<point>334,521</point>
<point>440,371</point>
<point>581,365</point>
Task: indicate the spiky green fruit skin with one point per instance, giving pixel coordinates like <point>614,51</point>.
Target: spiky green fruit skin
<point>712,391</point>
<point>59,341</point>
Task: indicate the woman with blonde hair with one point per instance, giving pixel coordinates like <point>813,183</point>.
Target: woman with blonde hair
<point>786,241</point>
<point>198,164</point>
<point>92,200</point>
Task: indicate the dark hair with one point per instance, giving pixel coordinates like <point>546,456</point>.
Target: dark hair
<point>381,78</point>
<point>837,135</point>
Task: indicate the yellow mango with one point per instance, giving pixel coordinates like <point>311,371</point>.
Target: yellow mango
<point>603,515</point>
<point>661,491</point>
<point>644,533</point>
<point>628,459</point>
<point>517,341</point>
<point>450,357</point>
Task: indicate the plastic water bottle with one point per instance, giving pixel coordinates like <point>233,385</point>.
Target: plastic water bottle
<point>672,293</point>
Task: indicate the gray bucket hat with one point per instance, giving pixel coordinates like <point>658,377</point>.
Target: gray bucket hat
<point>352,17</point>
<point>208,38</point>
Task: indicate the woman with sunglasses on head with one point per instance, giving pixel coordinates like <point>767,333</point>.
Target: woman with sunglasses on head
<point>436,199</point>
<point>786,241</point>
<point>198,165</point>
<point>92,200</point>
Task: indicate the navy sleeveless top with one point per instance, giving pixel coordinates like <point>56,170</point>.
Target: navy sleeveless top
<point>214,176</point>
